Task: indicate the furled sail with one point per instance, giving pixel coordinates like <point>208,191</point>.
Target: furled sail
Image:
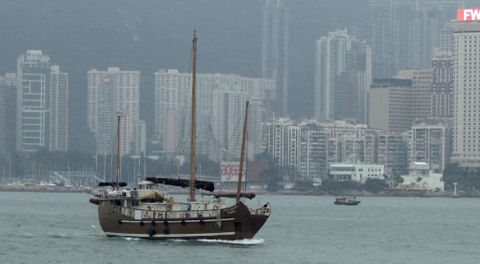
<point>204,185</point>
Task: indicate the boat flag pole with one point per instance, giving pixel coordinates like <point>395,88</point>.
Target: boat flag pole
<point>242,154</point>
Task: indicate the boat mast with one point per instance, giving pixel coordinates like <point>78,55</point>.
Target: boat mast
<point>118,152</point>
<point>193,131</point>
<point>242,154</point>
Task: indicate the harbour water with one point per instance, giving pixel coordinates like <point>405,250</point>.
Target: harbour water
<point>63,228</point>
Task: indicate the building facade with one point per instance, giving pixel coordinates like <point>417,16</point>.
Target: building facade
<point>42,104</point>
<point>309,147</point>
<point>8,110</point>
<point>114,93</point>
<point>228,110</point>
<point>442,84</point>
<point>389,104</point>
<point>215,94</point>
<point>275,41</point>
<point>395,103</point>
<point>431,143</point>
<point>466,115</point>
<point>356,172</point>
<point>342,75</point>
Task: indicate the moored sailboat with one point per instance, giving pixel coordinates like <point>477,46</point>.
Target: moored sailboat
<point>148,212</point>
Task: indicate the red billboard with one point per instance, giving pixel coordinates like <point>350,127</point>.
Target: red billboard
<point>468,14</point>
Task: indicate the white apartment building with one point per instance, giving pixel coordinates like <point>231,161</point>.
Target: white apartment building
<point>215,92</point>
<point>42,104</point>
<point>302,146</point>
<point>113,93</point>
<point>430,143</point>
<point>466,112</point>
<point>356,172</point>
<point>228,110</point>
<point>338,53</point>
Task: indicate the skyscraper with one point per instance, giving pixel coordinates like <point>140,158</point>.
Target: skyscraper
<point>214,91</point>
<point>114,93</point>
<point>8,110</point>
<point>275,34</point>
<point>42,104</point>
<point>466,115</point>
<point>442,86</point>
<point>59,109</point>
<point>342,75</point>
<point>228,110</point>
<point>396,102</point>
<point>403,33</point>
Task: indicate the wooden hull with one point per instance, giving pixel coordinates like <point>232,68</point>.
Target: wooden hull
<point>232,223</point>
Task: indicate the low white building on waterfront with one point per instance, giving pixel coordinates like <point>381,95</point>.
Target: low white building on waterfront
<point>356,172</point>
<point>421,177</point>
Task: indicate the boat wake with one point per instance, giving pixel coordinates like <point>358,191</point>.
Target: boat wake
<point>235,242</point>
<point>131,238</point>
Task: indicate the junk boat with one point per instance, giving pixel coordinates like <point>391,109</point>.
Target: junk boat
<point>346,201</point>
<point>148,212</point>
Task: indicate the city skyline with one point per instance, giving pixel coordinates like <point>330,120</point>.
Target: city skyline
<point>344,88</point>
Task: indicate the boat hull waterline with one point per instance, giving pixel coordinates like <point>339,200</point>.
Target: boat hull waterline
<point>231,223</point>
<point>347,203</point>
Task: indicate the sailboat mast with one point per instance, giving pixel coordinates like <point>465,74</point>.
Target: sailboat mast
<point>118,152</point>
<point>242,154</point>
<point>193,132</point>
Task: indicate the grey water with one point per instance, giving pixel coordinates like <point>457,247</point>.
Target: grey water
<point>63,228</point>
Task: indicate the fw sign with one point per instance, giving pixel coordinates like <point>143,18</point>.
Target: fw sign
<point>468,14</point>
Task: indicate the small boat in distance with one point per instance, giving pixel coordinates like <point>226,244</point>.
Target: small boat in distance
<point>346,201</point>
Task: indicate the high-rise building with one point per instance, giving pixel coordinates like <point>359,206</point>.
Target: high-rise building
<point>313,152</point>
<point>113,93</point>
<point>445,38</point>
<point>275,36</point>
<point>8,110</point>
<point>228,110</point>
<point>303,147</point>
<point>466,115</point>
<point>342,76</point>
<point>420,100</point>
<point>389,104</point>
<point>275,140</point>
<point>403,33</point>
<point>58,109</point>
<point>42,104</point>
<point>442,85</point>
<point>172,111</point>
<point>392,153</point>
<point>396,102</point>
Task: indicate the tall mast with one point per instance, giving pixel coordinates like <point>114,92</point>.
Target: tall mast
<point>242,154</point>
<point>118,152</point>
<point>193,132</point>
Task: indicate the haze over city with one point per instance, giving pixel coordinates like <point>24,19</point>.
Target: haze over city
<point>383,57</point>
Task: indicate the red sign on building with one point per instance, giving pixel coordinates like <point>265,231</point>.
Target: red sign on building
<point>468,14</point>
